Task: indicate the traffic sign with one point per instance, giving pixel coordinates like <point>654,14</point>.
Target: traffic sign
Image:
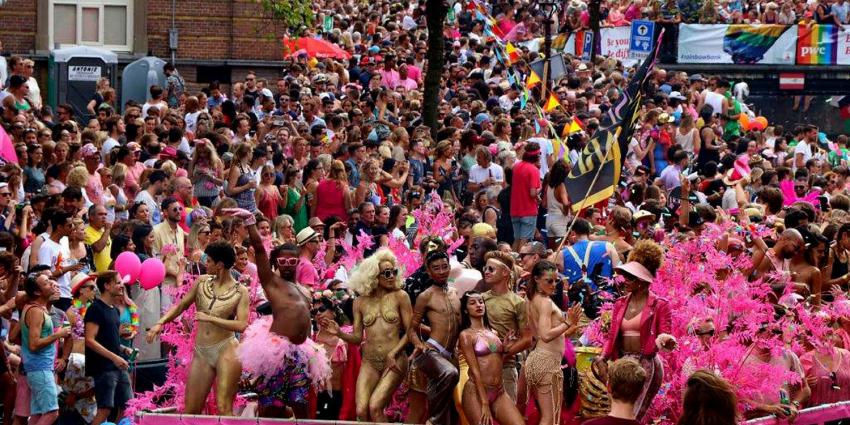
<point>587,46</point>
<point>641,39</point>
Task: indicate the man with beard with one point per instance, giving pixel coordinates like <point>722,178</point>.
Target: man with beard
<point>432,358</point>
<point>288,305</point>
<point>38,348</point>
<point>169,233</point>
<point>104,360</point>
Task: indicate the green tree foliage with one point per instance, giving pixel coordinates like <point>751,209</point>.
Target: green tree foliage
<point>295,15</point>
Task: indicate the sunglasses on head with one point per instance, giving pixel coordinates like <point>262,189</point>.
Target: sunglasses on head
<point>389,273</point>
<point>287,262</point>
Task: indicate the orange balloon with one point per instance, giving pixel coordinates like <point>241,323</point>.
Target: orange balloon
<point>762,121</point>
<point>757,125</point>
<point>744,120</point>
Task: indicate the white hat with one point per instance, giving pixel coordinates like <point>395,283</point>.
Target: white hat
<point>306,234</point>
<point>676,95</point>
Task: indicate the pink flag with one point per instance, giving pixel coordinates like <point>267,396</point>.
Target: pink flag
<point>7,148</point>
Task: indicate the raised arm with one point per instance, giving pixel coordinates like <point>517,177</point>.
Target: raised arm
<point>172,314</point>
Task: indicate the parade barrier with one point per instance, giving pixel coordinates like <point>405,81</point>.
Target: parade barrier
<point>740,44</point>
<point>172,419</point>
<point>811,416</point>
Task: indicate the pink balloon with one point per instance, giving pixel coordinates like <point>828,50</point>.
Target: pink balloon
<point>153,273</point>
<point>128,265</point>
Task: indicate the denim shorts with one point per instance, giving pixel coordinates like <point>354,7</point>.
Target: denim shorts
<point>112,389</point>
<point>524,227</point>
<point>43,392</point>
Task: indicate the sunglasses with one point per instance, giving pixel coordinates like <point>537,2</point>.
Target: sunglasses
<point>389,273</point>
<point>287,262</point>
<point>9,194</point>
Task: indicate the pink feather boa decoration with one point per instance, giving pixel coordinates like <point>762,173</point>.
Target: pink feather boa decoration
<point>701,282</point>
<point>173,391</point>
<point>434,219</point>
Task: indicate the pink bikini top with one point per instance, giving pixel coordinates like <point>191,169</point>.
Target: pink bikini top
<point>631,327</point>
<point>483,347</point>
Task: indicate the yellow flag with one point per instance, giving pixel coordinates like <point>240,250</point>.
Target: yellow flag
<point>512,52</point>
<point>552,103</point>
<point>532,80</point>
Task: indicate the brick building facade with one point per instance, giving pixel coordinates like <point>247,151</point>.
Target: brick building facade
<point>217,39</point>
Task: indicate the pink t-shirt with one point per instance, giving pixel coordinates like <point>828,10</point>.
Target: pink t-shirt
<point>306,273</point>
<point>131,182</point>
<point>94,189</point>
<point>389,78</point>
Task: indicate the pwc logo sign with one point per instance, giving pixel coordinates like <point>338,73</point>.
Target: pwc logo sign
<point>816,44</point>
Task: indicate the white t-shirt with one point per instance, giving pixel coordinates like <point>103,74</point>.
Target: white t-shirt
<point>161,105</point>
<point>156,214</point>
<point>803,148</point>
<point>478,174</point>
<point>546,149</point>
<point>54,255</point>
<point>192,120</point>
<point>108,145</point>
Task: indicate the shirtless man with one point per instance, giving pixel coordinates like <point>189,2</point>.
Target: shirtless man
<point>434,358</point>
<point>787,256</point>
<point>290,310</point>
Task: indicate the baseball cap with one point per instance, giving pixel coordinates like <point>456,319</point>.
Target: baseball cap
<point>696,77</point>
<point>169,152</point>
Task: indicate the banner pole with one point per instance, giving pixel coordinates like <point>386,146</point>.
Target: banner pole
<point>589,188</point>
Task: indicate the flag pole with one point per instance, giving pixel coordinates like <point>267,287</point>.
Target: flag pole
<point>589,189</point>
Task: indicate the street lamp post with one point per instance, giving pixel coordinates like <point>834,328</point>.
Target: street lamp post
<point>549,8</point>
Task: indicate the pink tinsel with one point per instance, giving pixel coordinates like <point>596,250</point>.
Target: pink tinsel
<point>173,391</point>
<point>701,282</point>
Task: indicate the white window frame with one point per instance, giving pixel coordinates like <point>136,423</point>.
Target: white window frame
<point>93,4</point>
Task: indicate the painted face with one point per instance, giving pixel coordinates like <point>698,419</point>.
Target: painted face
<point>388,275</point>
<point>438,271</point>
<point>475,306</point>
<point>495,272</point>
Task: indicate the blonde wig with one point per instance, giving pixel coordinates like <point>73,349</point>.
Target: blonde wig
<point>78,177</point>
<point>364,278</point>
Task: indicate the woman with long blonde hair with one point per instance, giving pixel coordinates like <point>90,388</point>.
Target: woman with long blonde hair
<point>382,313</point>
<point>269,199</point>
<point>207,172</point>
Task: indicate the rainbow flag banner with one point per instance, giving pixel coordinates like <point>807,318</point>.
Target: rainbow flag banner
<point>816,44</point>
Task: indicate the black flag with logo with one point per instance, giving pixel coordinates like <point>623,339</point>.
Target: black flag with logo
<point>606,151</point>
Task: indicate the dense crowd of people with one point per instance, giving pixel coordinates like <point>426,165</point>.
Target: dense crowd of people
<point>326,255</point>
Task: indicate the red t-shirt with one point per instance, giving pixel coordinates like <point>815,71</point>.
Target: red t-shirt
<point>526,176</point>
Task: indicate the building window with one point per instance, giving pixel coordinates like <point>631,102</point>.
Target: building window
<point>101,23</point>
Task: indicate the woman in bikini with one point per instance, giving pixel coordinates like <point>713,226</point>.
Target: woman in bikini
<point>543,374</point>
<point>484,395</point>
<point>384,312</point>
<point>222,311</point>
